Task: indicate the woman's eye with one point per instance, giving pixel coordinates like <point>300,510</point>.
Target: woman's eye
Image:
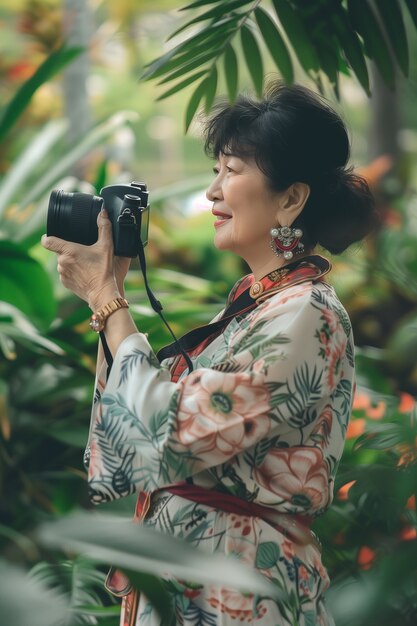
<point>229,169</point>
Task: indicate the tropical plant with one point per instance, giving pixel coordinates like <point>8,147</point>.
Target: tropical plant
<point>328,37</point>
<point>46,374</point>
<point>66,593</point>
<point>369,534</point>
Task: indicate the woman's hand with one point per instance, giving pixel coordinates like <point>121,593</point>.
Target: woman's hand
<point>121,268</point>
<point>90,271</point>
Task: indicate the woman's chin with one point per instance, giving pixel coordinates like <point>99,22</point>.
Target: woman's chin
<point>220,242</point>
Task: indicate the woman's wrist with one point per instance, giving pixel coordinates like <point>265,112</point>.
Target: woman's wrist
<point>97,300</point>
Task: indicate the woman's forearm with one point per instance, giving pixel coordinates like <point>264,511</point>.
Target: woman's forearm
<point>119,324</point>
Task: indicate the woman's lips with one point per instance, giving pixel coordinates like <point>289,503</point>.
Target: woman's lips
<point>222,218</point>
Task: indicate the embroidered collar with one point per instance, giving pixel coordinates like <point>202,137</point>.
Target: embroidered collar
<point>310,268</point>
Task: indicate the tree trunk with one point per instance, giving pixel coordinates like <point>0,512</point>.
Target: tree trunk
<point>77,27</point>
<point>385,118</point>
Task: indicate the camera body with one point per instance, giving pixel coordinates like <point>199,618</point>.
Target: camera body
<point>73,216</point>
<point>128,210</point>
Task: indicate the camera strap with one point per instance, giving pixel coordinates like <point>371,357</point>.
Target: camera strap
<point>311,268</point>
<point>157,307</point>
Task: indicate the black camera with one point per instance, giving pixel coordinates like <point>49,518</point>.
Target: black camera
<point>73,216</point>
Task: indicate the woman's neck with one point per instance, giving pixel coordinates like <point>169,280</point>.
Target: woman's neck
<point>259,271</point>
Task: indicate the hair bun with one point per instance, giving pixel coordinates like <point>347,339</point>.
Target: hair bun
<point>345,211</point>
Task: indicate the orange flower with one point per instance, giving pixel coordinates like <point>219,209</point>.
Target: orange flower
<point>363,402</point>
<point>407,403</point>
<point>366,557</point>
<point>411,503</point>
<point>376,170</point>
<point>343,492</point>
<point>356,427</point>
<point>376,412</point>
<point>360,401</point>
<point>408,533</point>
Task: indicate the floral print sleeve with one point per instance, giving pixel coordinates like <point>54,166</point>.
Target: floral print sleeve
<point>279,378</point>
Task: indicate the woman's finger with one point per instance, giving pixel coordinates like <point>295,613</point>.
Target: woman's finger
<point>60,246</point>
<point>104,229</point>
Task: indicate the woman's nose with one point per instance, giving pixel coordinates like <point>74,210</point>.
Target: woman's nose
<point>214,191</point>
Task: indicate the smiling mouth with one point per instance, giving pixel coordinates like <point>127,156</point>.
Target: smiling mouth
<point>221,218</point>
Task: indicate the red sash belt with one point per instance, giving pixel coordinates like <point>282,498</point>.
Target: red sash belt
<point>295,527</point>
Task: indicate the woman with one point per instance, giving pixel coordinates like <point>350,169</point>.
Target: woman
<point>240,454</point>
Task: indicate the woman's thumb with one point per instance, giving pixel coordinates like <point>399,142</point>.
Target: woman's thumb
<point>104,226</point>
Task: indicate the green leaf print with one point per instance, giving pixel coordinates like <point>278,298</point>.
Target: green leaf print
<point>260,450</point>
<point>157,421</point>
<point>267,555</point>
<point>310,618</point>
<point>129,362</point>
<point>203,361</point>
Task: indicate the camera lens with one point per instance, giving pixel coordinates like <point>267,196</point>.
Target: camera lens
<point>73,216</point>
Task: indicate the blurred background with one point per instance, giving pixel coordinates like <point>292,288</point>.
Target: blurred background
<point>92,121</point>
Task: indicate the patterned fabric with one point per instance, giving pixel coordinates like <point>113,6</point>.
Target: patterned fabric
<point>263,416</point>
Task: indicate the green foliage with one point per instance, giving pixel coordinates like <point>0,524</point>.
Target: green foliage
<point>327,37</point>
<point>51,66</point>
<point>47,364</point>
<point>372,524</point>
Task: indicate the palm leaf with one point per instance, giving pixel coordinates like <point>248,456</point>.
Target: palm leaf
<point>184,83</point>
<point>412,7</point>
<point>41,606</point>
<point>297,34</point>
<point>392,19</point>
<point>253,58</point>
<point>231,72</point>
<point>352,47</point>
<point>211,86</point>
<point>275,44</point>
<point>194,102</point>
<point>220,10</point>
<point>200,3</point>
<point>364,21</point>
<point>110,539</point>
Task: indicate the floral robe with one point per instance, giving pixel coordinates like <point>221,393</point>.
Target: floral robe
<point>263,416</point>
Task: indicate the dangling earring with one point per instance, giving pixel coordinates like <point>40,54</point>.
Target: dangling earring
<point>285,241</point>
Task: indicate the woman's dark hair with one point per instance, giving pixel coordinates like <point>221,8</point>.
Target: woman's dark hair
<point>294,135</point>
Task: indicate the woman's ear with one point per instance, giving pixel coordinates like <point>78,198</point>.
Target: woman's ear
<point>292,203</point>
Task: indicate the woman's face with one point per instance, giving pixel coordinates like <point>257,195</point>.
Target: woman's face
<point>245,209</point>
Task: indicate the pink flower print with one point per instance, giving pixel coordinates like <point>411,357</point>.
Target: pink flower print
<point>304,580</point>
<point>336,353</point>
<point>222,413</point>
<point>241,538</point>
<point>323,338</point>
<point>331,319</point>
<point>319,567</point>
<point>259,367</point>
<point>297,475</point>
<point>287,548</point>
<point>237,605</point>
<point>268,309</point>
<point>322,430</point>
